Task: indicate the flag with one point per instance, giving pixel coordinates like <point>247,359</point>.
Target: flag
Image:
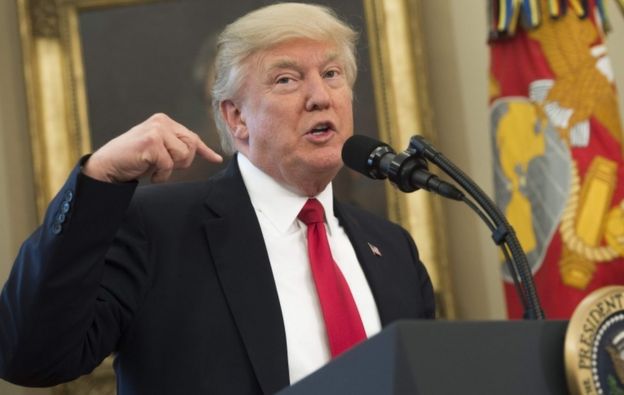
<point>557,140</point>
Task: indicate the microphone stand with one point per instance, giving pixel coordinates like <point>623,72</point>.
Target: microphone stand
<point>502,232</point>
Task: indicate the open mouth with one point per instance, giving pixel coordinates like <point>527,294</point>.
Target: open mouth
<point>321,128</point>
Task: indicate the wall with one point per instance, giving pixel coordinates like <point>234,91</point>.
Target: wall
<point>457,60</point>
<point>17,203</point>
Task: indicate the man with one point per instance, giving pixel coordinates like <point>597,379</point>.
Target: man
<point>212,287</point>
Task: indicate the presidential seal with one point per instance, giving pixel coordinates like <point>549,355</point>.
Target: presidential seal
<point>594,344</point>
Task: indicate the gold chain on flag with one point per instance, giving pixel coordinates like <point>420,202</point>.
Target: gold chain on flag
<point>568,227</point>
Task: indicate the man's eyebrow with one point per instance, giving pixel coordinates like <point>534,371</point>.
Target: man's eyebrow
<point>331,57</point>
<point>284,64</point>
<point>287,63</point>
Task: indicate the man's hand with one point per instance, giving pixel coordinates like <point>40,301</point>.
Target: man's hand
<point>155,147</point>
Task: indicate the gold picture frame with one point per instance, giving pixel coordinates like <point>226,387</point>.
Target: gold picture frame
<point>59,119</point>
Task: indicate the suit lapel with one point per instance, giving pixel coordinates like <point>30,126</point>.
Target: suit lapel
<point>242,264</point>
<point>377,268</point>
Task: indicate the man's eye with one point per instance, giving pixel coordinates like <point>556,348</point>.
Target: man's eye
<point>283,80</point>
<point>331,73</point>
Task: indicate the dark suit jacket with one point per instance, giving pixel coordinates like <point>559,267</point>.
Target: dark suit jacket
<point>175,279</point>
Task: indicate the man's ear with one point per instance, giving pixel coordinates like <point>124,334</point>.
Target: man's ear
<point>234,119</point>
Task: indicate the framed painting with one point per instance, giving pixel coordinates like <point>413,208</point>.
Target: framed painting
<point>95,68</point>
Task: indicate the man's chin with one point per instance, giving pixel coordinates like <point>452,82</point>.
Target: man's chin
<point>325,164</point>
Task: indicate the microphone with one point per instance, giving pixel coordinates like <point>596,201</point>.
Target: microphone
<point>407,170</point>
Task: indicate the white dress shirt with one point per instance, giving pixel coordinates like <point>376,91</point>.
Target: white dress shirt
<point>285,238</point>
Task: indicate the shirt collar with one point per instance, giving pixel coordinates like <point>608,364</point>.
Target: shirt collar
<point>277,203</point>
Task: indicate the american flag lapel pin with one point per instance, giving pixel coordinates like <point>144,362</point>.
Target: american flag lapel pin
<point>374,249</point>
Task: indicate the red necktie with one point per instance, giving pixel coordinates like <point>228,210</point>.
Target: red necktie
<point>342,319</point>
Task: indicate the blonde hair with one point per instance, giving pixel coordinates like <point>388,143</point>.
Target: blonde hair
<point>265,28</point>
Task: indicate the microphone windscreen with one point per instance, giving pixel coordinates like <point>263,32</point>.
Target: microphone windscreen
<point>357,150</point>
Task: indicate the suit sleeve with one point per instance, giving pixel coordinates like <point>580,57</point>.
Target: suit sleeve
<point>58,319</point>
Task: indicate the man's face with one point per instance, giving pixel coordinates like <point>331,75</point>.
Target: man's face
<point>294,113</point>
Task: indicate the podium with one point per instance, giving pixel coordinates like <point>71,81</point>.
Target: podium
<point>448,357</point>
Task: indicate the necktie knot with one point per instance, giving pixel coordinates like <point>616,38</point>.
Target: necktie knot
<point>312,212</point>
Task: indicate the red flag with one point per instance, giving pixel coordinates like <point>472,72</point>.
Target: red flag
<point>557,140</point>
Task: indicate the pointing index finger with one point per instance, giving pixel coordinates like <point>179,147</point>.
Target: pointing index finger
<point>207,153</point>
<point>193,140</point>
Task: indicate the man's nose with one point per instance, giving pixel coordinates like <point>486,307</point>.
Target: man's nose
<point>318,95</point>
